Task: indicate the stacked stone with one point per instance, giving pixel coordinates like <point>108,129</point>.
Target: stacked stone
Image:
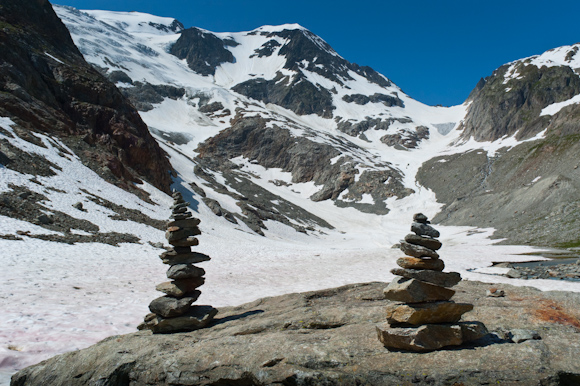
<point>174,312</point>
<point>423,318</point>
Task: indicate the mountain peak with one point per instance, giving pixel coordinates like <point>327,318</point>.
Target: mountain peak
<point>138,22</point>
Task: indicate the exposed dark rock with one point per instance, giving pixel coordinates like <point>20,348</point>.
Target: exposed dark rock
<point>70,98</point>
<point>144,95</point>
<point>267,49</point>
<point>422,229</point>
<point>403,289</point>
<point>387,100</point>
<point>211,107</point>
<point>495,112</point>
<point>406,138</point>
<point>426,242</point>
<point>444,279</point>
<point>203,51</point>
<point>357,128</point>
<point>119,76</point>
<point>300,96</point>
<point>175,26</point>
<point>328,337</point>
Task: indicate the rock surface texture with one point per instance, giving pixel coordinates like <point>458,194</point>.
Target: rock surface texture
<point>424,318</point>
<point>174,312</point>
<point>328,337</point>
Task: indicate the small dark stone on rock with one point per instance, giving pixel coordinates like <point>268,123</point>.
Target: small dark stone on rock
<point>420,218</point>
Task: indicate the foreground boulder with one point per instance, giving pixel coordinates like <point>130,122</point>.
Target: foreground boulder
<point>328,338</point>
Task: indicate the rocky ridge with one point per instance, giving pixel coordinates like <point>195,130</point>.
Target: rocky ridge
<point>535,181</point>
<point>328,337</point>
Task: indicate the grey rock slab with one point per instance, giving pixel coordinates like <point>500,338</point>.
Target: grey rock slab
<point>407,290</point>
<point>180,216</point>
<point>417,250</point>
<point>179,209</point>
<point>179,205</point>
<point>187,223</point>
<point>330,335</point>
<point>430,337</point>
<point>426,242</point>
<point>425,313</point>
<point>424,230</point>
<point>423,338</point>
<point>184,271</point>
<point>169,307</point>
<point>173,258</point>
<point>444,279</point>
<point>180,288</point>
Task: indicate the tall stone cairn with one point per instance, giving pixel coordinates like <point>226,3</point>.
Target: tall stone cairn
<point>422,316</point>
<point>174,312</point>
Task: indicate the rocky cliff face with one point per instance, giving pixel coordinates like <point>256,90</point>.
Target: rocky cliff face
<point>47,86</point>
<point>527,190</point>
<point>509,102</point>
<point>329,337</point>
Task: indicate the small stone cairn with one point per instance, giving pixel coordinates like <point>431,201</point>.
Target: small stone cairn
<point>422,318</point>
<point>174,311</point>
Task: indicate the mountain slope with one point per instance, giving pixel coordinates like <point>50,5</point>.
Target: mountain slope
<point>47,86</point>
<point>528,190</point>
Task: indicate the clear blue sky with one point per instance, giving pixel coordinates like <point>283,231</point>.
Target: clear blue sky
<point>436,51</point>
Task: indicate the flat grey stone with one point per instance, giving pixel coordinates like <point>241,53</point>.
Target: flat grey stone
<point>444,279</point>
<point>169,307</point>
<point>426,242</point>
<point>417,250</point>
<point>424,230</point>
<point>407,290</point>
<point>184,271</point>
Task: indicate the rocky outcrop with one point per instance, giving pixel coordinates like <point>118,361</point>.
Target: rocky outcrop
<point>47,86</point>
<point>528,192</point>
<point>387,100</point>
<point>297,94</point>
<point>506,105</point>
<point>304,50</point>
<point>308,160</point>
<point>203,51</point>
<point>328,337</point>
<point>405,138</point>
<point>535,184</point>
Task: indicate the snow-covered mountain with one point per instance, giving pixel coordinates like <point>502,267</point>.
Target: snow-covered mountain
<point>271,120</point>
<point>277,126</point>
